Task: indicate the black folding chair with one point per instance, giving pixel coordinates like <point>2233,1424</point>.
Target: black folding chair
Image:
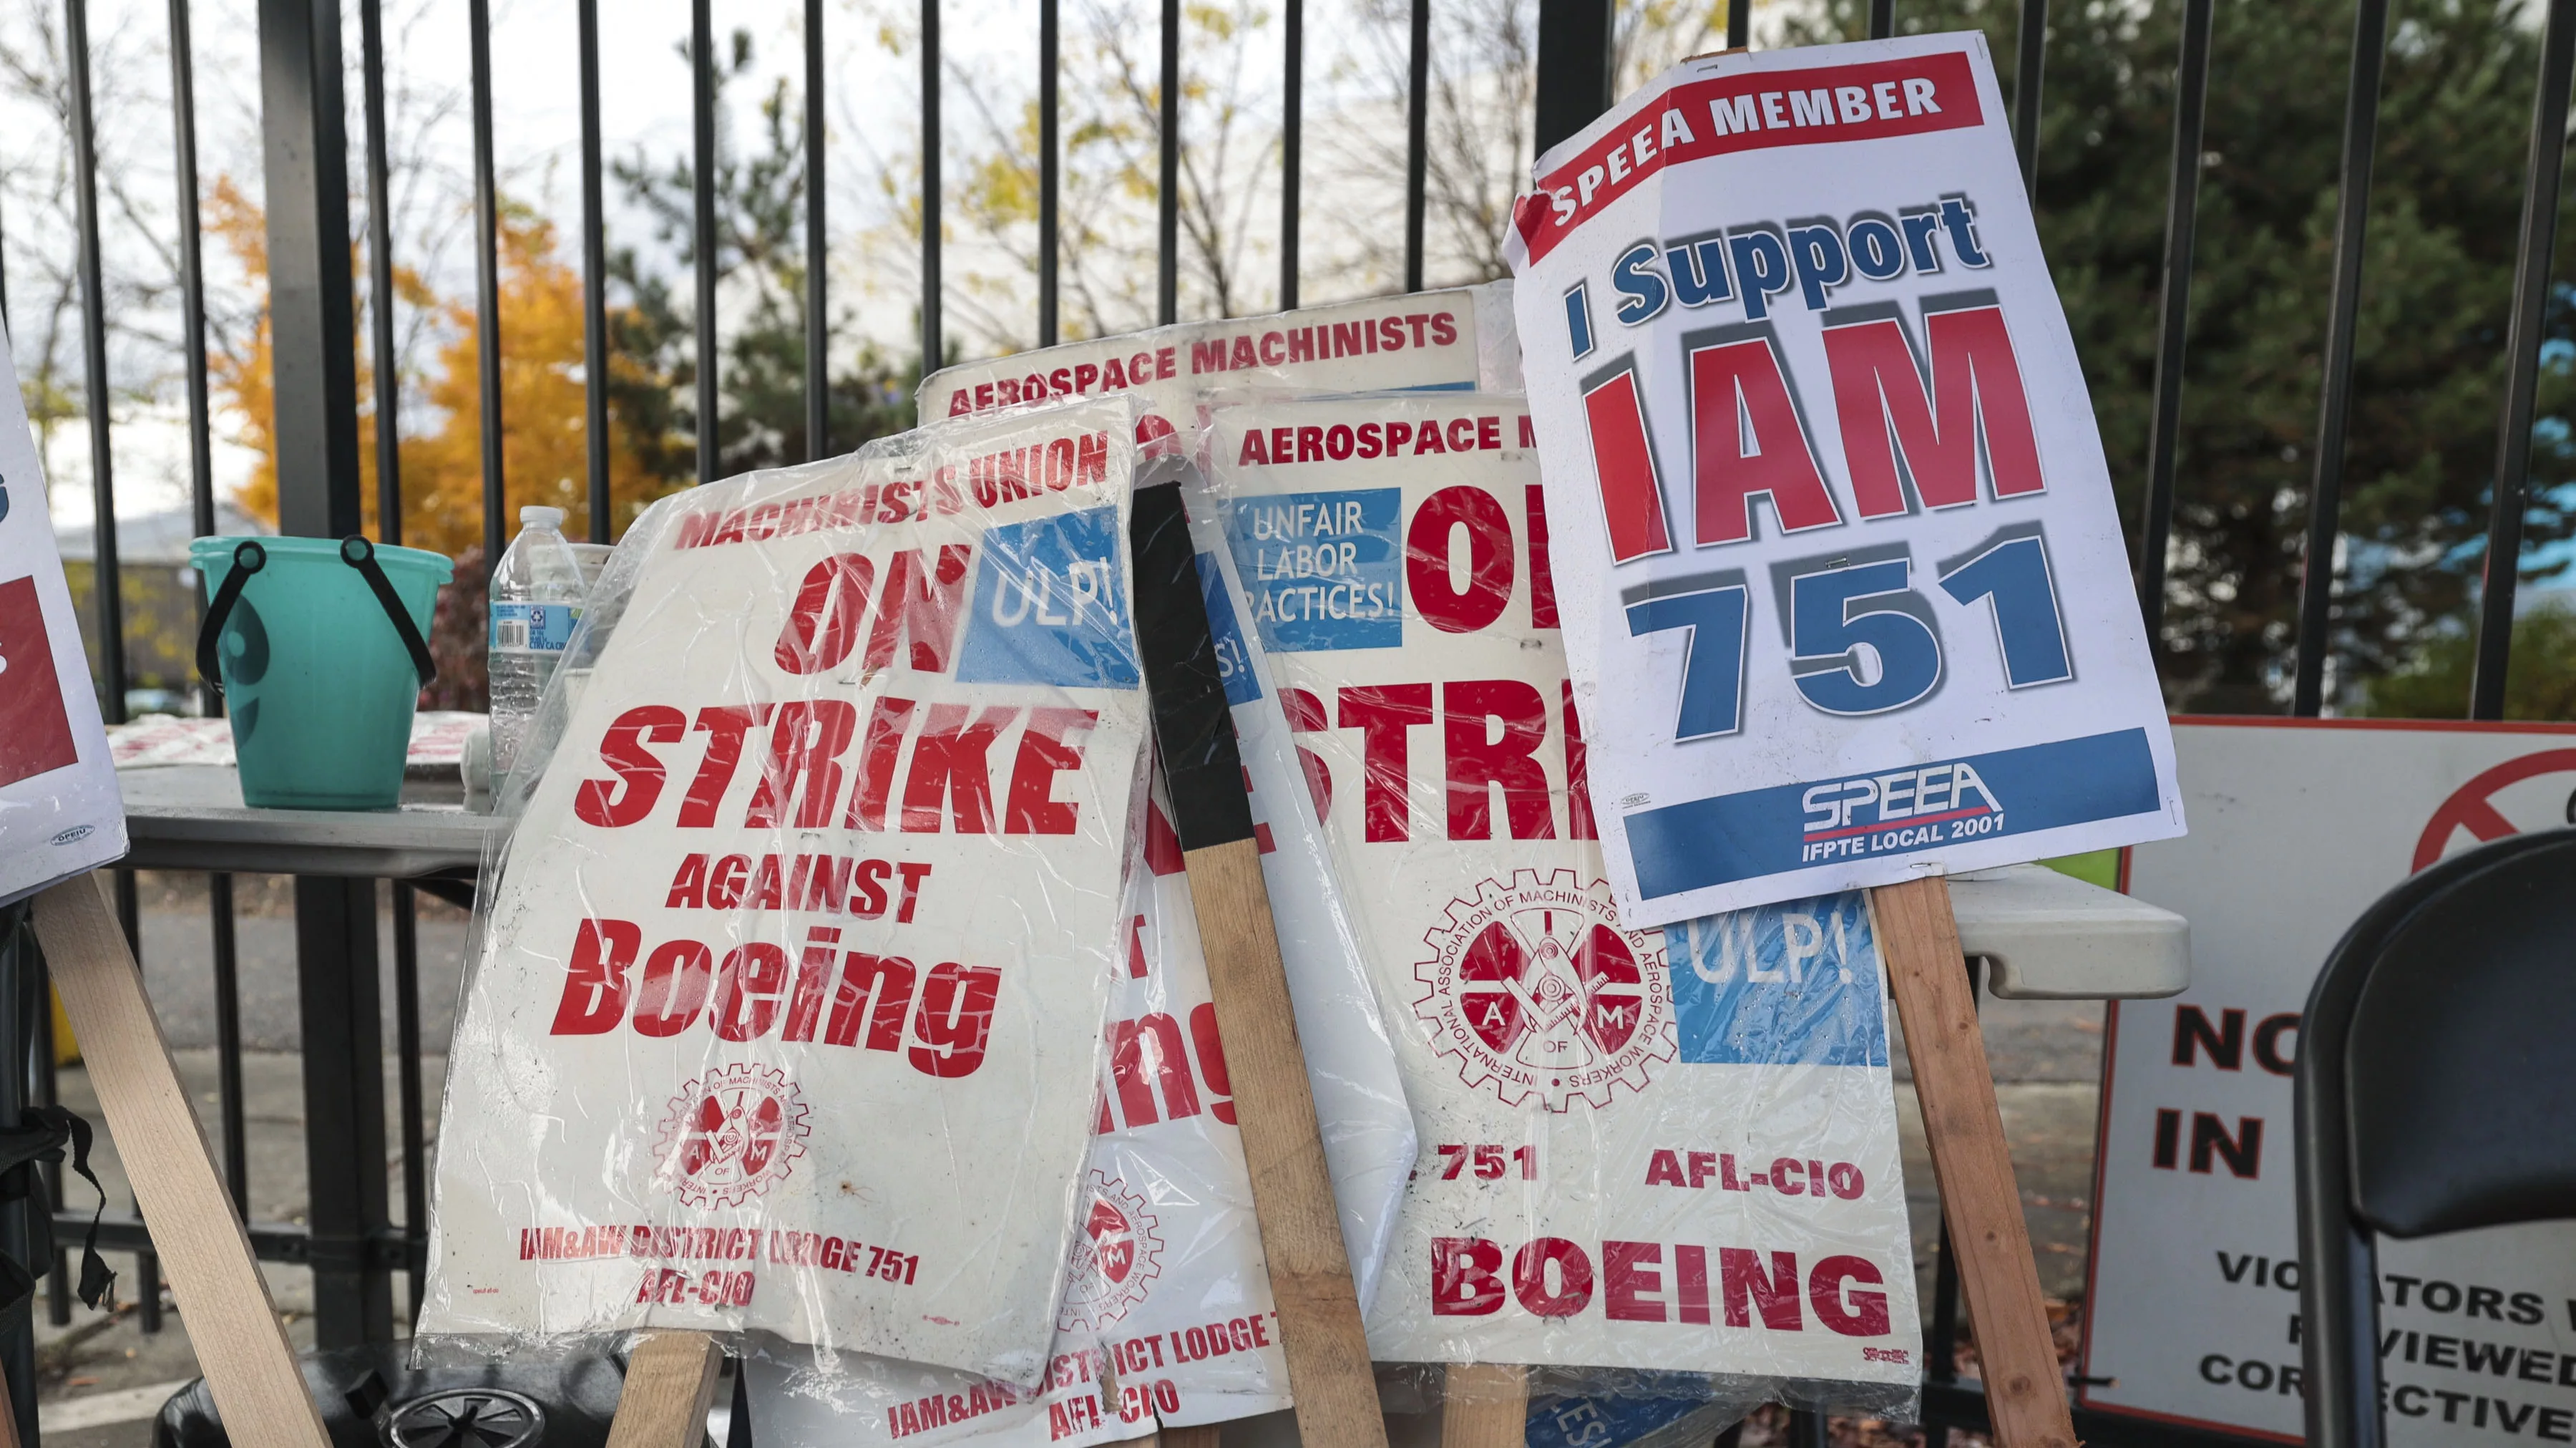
<point>2436,1091</point>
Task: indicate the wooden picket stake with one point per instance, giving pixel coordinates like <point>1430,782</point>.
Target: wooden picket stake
<point>1283,1147</point>
<point>670,1384</point>
<point>1919,943</point>
<point>200,1239</point>
<point>1485,1405</point>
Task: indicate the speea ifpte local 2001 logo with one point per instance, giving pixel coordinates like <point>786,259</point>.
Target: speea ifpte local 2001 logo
<point>1904,809</point>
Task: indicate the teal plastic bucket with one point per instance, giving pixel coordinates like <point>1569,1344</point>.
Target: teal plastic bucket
<point>318,647</point>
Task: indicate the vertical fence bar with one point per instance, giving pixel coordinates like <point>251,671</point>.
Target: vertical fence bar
<point>1739,24</point>
<point>415,1142</point>
<point>932,345</point>
<point>1574,59</point>
<point>594,285</point>
<point>2334,409</point>
<point>1167,220</point>
<point>2028,60</point>
<point>2182,219</point>
<point>1050,60</point>
<point>380,276</point>
<point>1417,143</point>
<point>192,280</point>
<point>105,578</point>
<point>311,302</point>
<point>46,1086</point>
<point>228,1041</point>
<point>818,325</point>
<point>702,81</point>
<point>2522,350</point>
<point>1882,18</point>
<point>487,289</point>
<point>1292,142</point>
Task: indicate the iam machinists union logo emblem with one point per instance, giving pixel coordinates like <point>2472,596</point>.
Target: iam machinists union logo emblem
<point>1116,1256</point>
<point>1538,992</point>
<point>731,1135</point>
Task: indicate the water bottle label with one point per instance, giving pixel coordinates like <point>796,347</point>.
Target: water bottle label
<point>534,628</point>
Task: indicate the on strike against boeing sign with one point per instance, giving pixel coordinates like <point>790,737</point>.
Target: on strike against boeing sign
<point>1842,581</point>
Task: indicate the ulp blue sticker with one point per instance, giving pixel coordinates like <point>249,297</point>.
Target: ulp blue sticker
<point>1795,984</point>
<point>1050,607</point>
<point>1233,662</point>
<point>1325,570</point>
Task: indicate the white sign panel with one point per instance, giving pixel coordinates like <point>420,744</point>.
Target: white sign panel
<point>1844,589</point>
<point>59,809</point>
<point>2194,1298</point>
<point>749,1045</point>
<point>1166,1316</point>
<point>1647,1148</point>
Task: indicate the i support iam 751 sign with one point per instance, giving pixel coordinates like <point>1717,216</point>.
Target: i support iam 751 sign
<point>1843,587</point>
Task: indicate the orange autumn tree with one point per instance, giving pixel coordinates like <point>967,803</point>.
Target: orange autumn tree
<point>544,444</point>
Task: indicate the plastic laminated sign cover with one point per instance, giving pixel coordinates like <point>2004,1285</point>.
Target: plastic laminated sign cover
<point>1453,340</point>
<point>787,1005</point>
<point>1166,1316</point>
<point>1844,583</point>
<point>60,811</point>
<point>1645,1149</point>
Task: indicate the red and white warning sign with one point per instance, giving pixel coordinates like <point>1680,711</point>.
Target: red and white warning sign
<point>788,1003</point>
<point>2297,826</point>
<point>1668,1148</point>
<point>60,812</point>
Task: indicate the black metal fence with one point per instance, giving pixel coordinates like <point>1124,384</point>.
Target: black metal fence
<point>354,1248</point>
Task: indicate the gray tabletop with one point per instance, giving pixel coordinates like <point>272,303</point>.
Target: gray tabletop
<point>191,817</point>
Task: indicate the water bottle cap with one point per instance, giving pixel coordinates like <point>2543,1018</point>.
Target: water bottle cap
<point>533,516</point>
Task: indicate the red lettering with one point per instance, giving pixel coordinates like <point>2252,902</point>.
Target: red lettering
<point>948,762</point>
<point>748,985</point>
<point>1828,1289</point>
<point>1050,745</point>
<point>1383,714</point>
<point>955,1020</point>
<point>823,624</point>
<point>1573,1274</point>
<point>1974,393</point>
<point>1738,388</point>
<point>631,796</point>
<point>594,993</point>
<point>1429,567</point>
<point>1477,761</point>
<point>1466,1277</point>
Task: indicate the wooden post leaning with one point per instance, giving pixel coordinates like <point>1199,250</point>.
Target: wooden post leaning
<point>670,1383</point>
<point>233,1325</point>
<point>1283,1147</point>
<point>1485,1405</point>
<point>1919,942</point>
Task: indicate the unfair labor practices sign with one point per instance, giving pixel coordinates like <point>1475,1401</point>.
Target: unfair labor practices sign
<point>788,1007</point>
<point>1843,585</point>
<point>1646,1148</point>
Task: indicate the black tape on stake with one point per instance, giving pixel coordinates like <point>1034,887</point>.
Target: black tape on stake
<point>1183,680</point>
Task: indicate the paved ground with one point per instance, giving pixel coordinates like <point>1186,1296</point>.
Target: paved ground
<point>2046,1058</point>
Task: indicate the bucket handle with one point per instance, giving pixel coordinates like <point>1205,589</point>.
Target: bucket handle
<point>355,551</point>
<point>360,554</point>
<point>248,558</point>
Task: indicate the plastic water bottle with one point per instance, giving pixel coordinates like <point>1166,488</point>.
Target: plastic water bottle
<point>537,594</point>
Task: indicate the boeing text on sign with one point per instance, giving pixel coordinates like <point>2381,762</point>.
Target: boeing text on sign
<point>789,999</point>
<point>1646,1148</point>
